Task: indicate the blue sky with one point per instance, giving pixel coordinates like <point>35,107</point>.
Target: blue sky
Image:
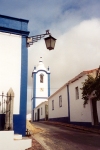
<point>44,14</point>
<point>75,24</point>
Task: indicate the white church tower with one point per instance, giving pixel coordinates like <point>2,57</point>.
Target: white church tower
<point>41,84</point>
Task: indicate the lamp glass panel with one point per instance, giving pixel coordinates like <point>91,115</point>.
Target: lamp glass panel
<point>47,41</point>
<point>53,43</point>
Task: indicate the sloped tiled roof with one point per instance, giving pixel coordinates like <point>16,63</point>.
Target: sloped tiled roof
<point>74,79</point>
<point>81,75</point>
<point>45,102</point>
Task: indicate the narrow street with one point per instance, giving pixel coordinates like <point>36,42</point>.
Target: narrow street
<point>58,138</point>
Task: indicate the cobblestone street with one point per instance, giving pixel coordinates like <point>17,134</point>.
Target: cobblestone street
<point>36,145</point>
<point>58,138</point>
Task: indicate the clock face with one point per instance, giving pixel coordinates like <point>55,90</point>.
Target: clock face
<point>41,89</point>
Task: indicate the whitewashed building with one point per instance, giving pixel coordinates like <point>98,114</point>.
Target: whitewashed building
<point>41,85</point>
<point>13,65</point>
<point>58,105</point>
<point>78,114</point>
<point>41,112</point>
<point>66,104</point>
<point>13,83</point>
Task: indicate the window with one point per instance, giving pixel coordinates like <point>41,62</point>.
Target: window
<point>41,110</point>
<point>60,101</point>
<point>52,104</point>
<point>41,78</point>
<point>77,92</point>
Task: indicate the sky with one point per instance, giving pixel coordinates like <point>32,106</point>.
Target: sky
<point>76,26</point>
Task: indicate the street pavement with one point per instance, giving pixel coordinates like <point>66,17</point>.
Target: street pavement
<point>35,145</point>
<point>62,138</point>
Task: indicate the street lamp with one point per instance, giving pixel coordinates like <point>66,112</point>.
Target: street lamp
<point>49,41</point>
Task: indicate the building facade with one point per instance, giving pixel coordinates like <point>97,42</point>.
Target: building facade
<point>41,112</point>
<point>66,104</point>
<point>14,66</point>
<point>79,114</point>
<point>58,105</point>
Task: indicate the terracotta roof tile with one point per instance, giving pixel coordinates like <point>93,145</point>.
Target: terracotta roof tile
<point>81,75</point>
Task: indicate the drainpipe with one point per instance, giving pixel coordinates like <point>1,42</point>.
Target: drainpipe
<point>68,97</point>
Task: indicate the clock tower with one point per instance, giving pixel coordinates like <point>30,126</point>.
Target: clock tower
<point>41,84</point>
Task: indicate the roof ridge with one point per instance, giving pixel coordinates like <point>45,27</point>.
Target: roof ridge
<point>81,75</point>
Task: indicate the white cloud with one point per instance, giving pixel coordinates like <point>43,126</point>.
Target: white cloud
<point>74,23</point>
<point>75,51</point>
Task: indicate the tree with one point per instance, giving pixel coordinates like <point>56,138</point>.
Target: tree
<point>91,91</point>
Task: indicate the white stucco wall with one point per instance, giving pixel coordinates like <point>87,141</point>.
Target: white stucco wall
<point>42,105</point>
<point>41,95</point>
<point>58,111</point>
<point>39,101</point>
<point>10,66</point>
<point>77,112</point>
<point>43,85</point>
<point>35,112</point>
<point>42,116</point>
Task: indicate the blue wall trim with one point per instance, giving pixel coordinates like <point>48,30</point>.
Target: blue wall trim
<point>43,119</point>
<point>13,31</point>
<point>66,120</point>
<point>68,97</point>
<point>34,95</point>
<point>34,90</point>
<point>40,98</point>
<point>60,119</point>
<point>48,84</point>
<point>20,120</point>
<point>13,25</point>
<point>87,124</point>
<point>13,18</point>
<point>39,71</point>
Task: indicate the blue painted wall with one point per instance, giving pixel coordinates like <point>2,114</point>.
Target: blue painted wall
<point>2,121</point>
<point>20,27</point>
<point>13,25</point>
<point>34,90</point>
<point>20,120</point>
<point>48,84</point>
<point>68,97</point>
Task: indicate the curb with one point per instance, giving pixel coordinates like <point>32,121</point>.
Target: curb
<point>97,131</point>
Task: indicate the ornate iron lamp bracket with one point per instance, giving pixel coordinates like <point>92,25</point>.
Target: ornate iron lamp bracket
<point>30,40</point>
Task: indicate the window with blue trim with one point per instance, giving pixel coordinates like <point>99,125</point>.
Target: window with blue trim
<point>52,104</point>
<point>77,92</point>
<point>60,101</point>
<point>41,78</point>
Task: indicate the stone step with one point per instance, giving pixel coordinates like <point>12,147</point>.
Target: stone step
<point>6,135</point>
<point>17,136</point>
<point>9,141</point>
<point>22,144</point>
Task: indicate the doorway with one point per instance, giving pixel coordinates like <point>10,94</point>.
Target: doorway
<point>94,112</point>
<point>35,116</point>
